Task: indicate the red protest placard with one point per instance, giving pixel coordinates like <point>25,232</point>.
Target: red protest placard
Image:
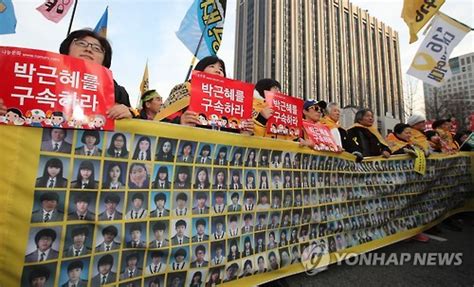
<point>287,114</point>
<point>220,102</point>
<point>321,136</point>
<point>44,89</point>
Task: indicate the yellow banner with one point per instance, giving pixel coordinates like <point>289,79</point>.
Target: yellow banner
<point>416,13</point>
<point>420,162</point>
<point>169,204</point>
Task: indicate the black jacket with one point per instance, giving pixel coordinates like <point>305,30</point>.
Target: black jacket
<point>366,142</point>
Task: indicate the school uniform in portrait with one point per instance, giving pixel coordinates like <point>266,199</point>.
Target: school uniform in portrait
<point>204,210</point>
<point>196,238</point>
<point>35,255</point>
<point>90,216</point>
<point>56,182</point>
<point>204,159</point>
<point>153,269</point>
<point>175,240</point>
<point>136,214</point>
<point>234,207</point>
<point>84,151</point>
<point>139,244</point>
<point>129,274</point>
<point>156,244</point>
<point>116,216</point>
<point>163,184</point>
<point>103,247</point>
<point>216,260</point>
<point>62,146</point>
<point>41,215</point>
<point>81,283</point>
<point>70,251</point>
<point>186,159</point>
<point>195,264</point>
<point>160,213</point>
<point>90,185</point>
<point>97,279</point>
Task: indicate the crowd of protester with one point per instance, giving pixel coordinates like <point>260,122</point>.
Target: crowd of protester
<point>362,139</point>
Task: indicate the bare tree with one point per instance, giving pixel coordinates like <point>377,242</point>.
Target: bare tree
<point>453,105</point>
<point>411,98</point>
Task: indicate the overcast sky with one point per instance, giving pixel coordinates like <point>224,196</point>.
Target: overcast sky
<point>145,29</point>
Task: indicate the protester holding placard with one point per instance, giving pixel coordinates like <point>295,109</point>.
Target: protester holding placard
<point>331,120</point>
<point>175,108</point>
<point>90,46</point>
<point>312,112</point>
<point>367,138</point>
<point>434,141</point>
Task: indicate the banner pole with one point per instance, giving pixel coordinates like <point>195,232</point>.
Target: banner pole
<point>195,53</point>
<point>72,17</point>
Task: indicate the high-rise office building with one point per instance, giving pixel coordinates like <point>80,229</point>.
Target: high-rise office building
<point>456,97</point>
<point>322,49</point>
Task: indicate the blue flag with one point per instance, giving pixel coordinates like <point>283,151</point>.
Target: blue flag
<point>7,17</point>
<point>205,18</point>
<point>101,27</point>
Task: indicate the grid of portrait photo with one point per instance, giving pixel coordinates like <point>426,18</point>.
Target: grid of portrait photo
<point>131,209</point>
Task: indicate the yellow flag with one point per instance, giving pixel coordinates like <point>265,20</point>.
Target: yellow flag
<point>144,86</point>
<point>416,13</point>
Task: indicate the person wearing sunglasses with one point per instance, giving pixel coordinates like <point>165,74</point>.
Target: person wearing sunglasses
<point>90,46</point>
<point>312,112</point>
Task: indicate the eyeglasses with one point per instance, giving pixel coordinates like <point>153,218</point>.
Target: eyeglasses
<point>84,44</point>
<point>316,108</point>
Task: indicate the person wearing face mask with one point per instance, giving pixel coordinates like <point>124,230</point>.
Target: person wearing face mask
<point>175,108</point>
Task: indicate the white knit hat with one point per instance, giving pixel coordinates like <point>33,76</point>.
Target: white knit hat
<point>414,119</point>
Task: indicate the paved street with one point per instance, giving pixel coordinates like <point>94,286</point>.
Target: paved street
<point>408,274</point>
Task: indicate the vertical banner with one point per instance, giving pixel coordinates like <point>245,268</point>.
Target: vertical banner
<point>431,62</point>
<point>287,114</point>
<point>44,89</point>
<point>220,102</point>
<point>420,162</point>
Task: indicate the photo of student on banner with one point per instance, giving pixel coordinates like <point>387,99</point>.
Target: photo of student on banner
<point>200,230</point>
<point>56,140</point>
<point>157,262</point>
<point>114,175</point>
<point>117,145</point>
<point>201,178</point>
<point>139,176</point>
<point>109,237</point>
<point>235,203</point>
<point>86,177</point>
<point>205,153</point>
<point>53,172</point>
<point>161,207</point>
<point>181,204</point>
<point>48,206</point>
<point>42,244</point>
<point>201,205</point>
<point>132,264</point>
<point>39,275</point>
<point>143,147</point>
<point>159,234</point>
<point>135,235</point>
<point>215,276</point>
<point>111,209</point>
<point>183,177</point>
<point>105,271</point>
<point>89,144</point>
<point>78,240</point>
<point>81,205</point>
<point>251,159</point>
<point>237,156</point>
<point>137,205</point>
<point>74,272</point>
<point>166,149</point>
<point>186,152</point>
<point>163,174</point>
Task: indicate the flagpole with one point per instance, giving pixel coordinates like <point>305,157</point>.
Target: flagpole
<point>72,18</point>
<point>195,53</point>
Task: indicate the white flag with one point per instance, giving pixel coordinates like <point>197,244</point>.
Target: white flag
<point>431,62</point>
